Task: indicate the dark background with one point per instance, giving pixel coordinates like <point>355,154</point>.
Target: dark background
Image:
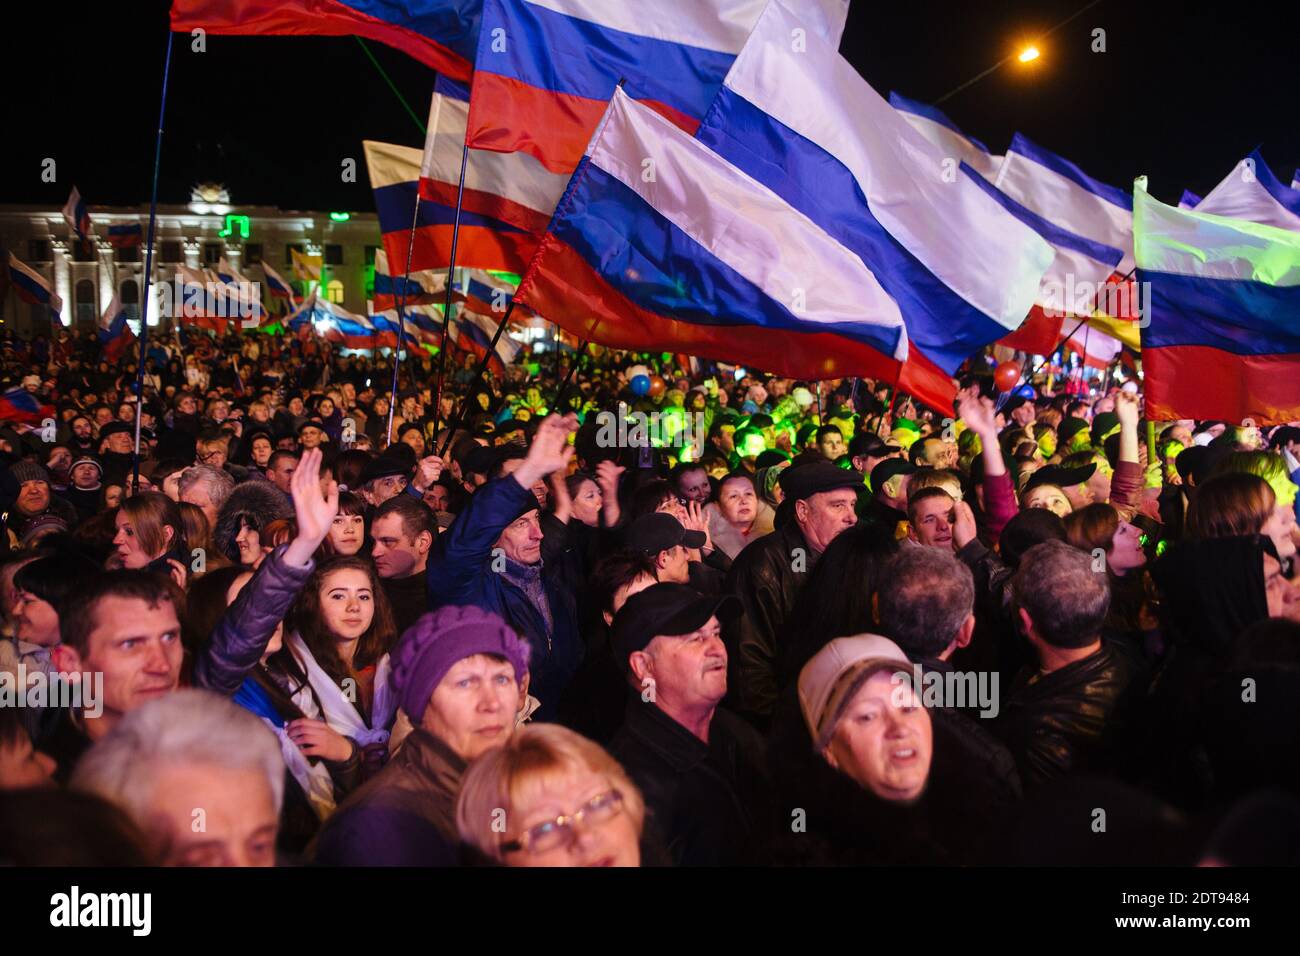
<point>1184,91</point>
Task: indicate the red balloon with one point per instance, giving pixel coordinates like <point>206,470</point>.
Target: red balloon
<point>657,386</point>
<point>1006,375</point>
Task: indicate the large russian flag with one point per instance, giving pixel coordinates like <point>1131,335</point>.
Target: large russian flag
<point>546,68</point>
<point>1253,193</point>
<point>442,34</point>
<point>1063,194</point>
<point>484,242</point>
<point>19,405</point>
<point>31,286</point>
<point>512,187</point>
<point>934,124</point>
<point>961,270</point>
<point>115,336</point>
<point>1223,333</point>
<point>701,258</point>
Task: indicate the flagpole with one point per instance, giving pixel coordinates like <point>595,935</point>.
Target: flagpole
<point>568,376</point>
<point>478,376</point>
<point>446,311</point>
<point>148,266</point>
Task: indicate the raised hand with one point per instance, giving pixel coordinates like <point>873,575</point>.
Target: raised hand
<point>977,412</point>
<point>1126,408</point>
<point>963,527</point>
<point>429,470</point>
<point>697,520</point>
<point>314,509</point>
<point>550,449</point>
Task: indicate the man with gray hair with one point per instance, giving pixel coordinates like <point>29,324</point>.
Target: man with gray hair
<point>1064,712</point>
<point>207,488</point>
<point>200,776</point>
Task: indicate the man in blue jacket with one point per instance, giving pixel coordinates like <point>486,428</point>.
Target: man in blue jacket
<point>491,557</point>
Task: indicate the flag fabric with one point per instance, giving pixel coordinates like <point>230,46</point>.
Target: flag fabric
<point>20,405</point>
<point>512,187</point>
<point>115,336</point>
<point>306,267</point>
<point>546,68</point>
<point>669,263</point>
<point>127,236</point>
<point>934,124</point>
<point>1096,348</point>
<point>485,292</point>
<point>419,288</point>
<point>1189,201</point>
<point>277,285</point>
<point>1222,339</point>
<point>475,334</point>
<point>959,268</point>
<point>299,320</point>
<point>1295,180</point>
<point>422,326</point>
<point>484,242</point>
<point>1063,194</point>
<point>31,286</point>
<point>244,295</point>
<point>1253,193</point>
<point>76,216</point>
<point>336,324</point>
<point>201,299</point>
<point>441,34</point>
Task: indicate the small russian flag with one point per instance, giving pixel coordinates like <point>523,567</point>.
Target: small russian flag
<point>77,217</point>
<point>31,285</point>
<point>20,405</point>
<point>127,236</point>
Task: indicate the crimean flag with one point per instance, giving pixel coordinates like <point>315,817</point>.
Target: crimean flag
<point>126,236</point>
<point>306,267</point>
<point>546,68</point>
<point>76,216</point>
<point>1222,328</point>
<point>484,243</point>
<point>441,34</point>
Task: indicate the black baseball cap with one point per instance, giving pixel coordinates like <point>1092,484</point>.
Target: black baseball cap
<point>871,445</point>
<point>803,480</point>
<point>659,531</point>
<point>888,469</point>
<point>666,610</point>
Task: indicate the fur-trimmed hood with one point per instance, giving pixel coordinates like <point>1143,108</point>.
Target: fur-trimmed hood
<point>259,501</point>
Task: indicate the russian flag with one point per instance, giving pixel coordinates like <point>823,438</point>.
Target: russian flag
<point>512,187</point>
<point>484,242</point>
<point>76,216</point>
<point>31,286</point>
<point>485,293</point>
<point>546,68</point>
<point>115,336</point>
<point>201,302</point>
<point>934,124</point>
<point>1064,195</point>
<point>419,288</point>
<point>20,405</point>
<point>960,269</point>
<point>1222,339</point>
<point>703,259</point>
<point>299,320</point>
<point>423,325</point>
<point>475,334</point>
<point>126,236</point>
<point>276,284</point>
<point>1253,193</point>
<point>336,324</point>
<point>442,34</point>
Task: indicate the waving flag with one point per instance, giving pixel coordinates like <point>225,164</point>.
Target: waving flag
<point>306,267</point>
<point>1295,180</point>
<point>115,336</point>
<point>423,325</point>
<point>31,286</point>
<point>276,284</point>
<point>475,336</point>
<point>546,68</point>
<point>126,236</point>
<point>299,320</point>
<point>486,293</point>
<point>957,266</point>
<point>484,242</point>
<point>1189,201</point>
<point>20,405</point>
<point>1064,195</point>
<point>1223,339</point>
<point>934,124</point>
<point>419,288</point>
<point>76,216</point>
<point>512,187</point>
<point>441,34</point>
<point>1253,193</point>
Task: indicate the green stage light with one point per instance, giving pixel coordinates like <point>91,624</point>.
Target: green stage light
<point>340,216</point>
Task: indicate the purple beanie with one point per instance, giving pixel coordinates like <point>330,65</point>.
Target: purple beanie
<point>433,644</point>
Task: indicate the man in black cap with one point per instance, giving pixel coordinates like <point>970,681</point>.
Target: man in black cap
<point>116,445</point>
<point>867,450</point>
<point>768,574</point>
<point>1073,482</point>
<point>384,477</point>
<point>701,769</point>
<point>674,551</point>
<point>1019,410</point>
<point>888,505</point>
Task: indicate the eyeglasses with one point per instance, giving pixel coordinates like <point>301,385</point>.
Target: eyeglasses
<point>559,832</point>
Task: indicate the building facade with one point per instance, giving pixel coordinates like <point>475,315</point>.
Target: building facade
<point>198,235</point>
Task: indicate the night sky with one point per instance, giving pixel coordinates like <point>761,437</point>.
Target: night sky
<point>1184,91</point>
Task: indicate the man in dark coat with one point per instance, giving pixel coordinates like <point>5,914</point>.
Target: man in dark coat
<point>491,557</point>
<point>702,769</point>
<point>767,575</point>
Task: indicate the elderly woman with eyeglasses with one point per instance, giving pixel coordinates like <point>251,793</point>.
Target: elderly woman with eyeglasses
<point>550,797</point>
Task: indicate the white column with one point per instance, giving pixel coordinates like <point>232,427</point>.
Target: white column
<point>62,279</point>
<point>107,267</point>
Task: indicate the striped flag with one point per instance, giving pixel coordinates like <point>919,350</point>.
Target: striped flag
<point>31,286</point>
<point>1253,193</point>
<point>441,34</point>
<point>76,216</point>
<point>115,336</point>
<point>546,68</point>
<point>424,287</point>
<point>127,236</point>
<point>1222,339</point>
<point>277,285</point>
<point>20,405</point>
<point>306,267</point>
<point>934,124</point>
<point>475,334</point>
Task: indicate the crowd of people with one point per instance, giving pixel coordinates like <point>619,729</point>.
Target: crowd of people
<point>791,623</point>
